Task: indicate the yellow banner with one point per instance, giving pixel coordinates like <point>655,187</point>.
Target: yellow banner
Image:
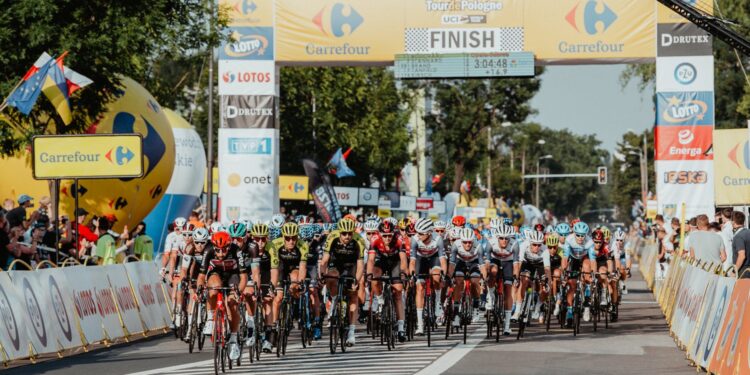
<point>87,156</point>
<point>666,15</point>
<point>215,178</point>
<point>731,167</point>
<point>374,31</point>
<point>248,12</point>
<point>294,187</point>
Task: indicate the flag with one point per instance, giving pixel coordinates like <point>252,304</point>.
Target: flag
<point>73,79</point>
<point>337,164</point>
<point>55,88</point>
<point>322,192</point>
<point>25,95</point>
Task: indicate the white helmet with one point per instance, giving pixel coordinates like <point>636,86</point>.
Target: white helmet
<point>216,227</point>
<point>506,231</point>
<point>467,234</point>
<point>455,232</point>
<point>424,225</point>
<point>440,224</point>
<point>527,233</point>
<point>200,235</point>
<point>277,220</point>
<point>619,235</point>
<point>392,220</point>
<point>371,226</point>
<point>536,237</point>
<point>495,222</point>
<point>179,223</point>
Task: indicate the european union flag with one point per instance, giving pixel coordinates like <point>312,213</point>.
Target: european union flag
<point>24,97</point>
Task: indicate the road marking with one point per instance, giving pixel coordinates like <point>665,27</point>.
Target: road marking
<point>638,302</point>
<point>454,355</point>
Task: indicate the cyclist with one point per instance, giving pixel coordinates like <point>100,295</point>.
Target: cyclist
<point>223,266</point>
<point>607,234</point>
<point>216,227</point>
<point>387,257</point>
<point>604,265</point>
<point>427,256</point>
<point>578,255</point>
<point>191,261</point>
<point>344,256</point>
<point>502,254</point>
<point>458,221</point>
<point>238,233</point>
<point>308,233</point>
<point>466,260</point>
<point>555,260</point>
<point>622,258</point>
<point>288,256</point>
<point>362,243</point>
<point>441,229</point>
<point>533,260</point>
<point>371,229</point>
<point>260,266</point>
<point>563,230</point>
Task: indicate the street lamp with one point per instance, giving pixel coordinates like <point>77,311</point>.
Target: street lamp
<point>643,162</point>
<point>538,161</point>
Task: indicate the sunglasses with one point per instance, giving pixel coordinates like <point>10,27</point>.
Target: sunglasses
<point>259,239</point>
<point>288,238</point>
<point>503,238</point>
<point>597,242</point>
<point>441,231</point>
<point>347,234</point>
<point>580,235</point>
<point>371,233</point>
<point>220,249</point>
<point>620,240</point>
<point>202,243</point>
<point>536,244</point>
<point>386,235</point>
<point>467,242</point>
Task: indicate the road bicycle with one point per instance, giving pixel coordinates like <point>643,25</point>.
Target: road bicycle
<point>286,322</point>
<point>339,313</point>
<point>496,314</point>
<point>220,336</point>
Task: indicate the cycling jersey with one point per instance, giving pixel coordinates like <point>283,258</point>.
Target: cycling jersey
<point>571,248</point>
<point>421,250</point>
<point>175,242</point>
<point>233,262</point>
<point>344,255</point>
<point>539,258</point>
<point>260,259</point>
<point>476,254</point>
<point>507,254</point>
<point>287,260</point>
<point>335,235</point>
<point>388,259</point>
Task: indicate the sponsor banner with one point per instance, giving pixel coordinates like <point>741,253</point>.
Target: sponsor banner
<point>248,111</point>
<point>742,339</point>
<point>61,305</point>
<point>724,358</point>
<point>685,108</point>
<point>694,73</point>
<point>368,197</point>
<point>322,192</point>
<point>407,203</point>
<point>652,209</point>
<point>13,335</point>
<point>732,164</point>
<point>684,142</point>
<point>367,31</point>
<point>438,208</point>
<point>85,301</point>
<point>247,77</point>
<point>247,174</point>
<point>40,330</point>
<point>392,198</point>
<point>87,156</point>
<point>293,187</point>
<point>124,297</point>
<point>248,43</point>
<point>148,292</point>
<point>347,196</point>
<point>691,182</point>
<point>691,303</point>
<point>248,12</point>
<point>666,15</point>
<point>425,204</point>
<point>698,337</point>
<point>682,39</point>
<point>106,303</point>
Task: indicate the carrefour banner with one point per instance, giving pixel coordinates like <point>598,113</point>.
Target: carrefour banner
<point>248,12</point>
<point>366,31</point>
<point>689,182</point>
<point>248,183</point>
<point>732,164</point>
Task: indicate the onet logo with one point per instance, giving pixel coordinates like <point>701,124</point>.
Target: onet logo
<point>119,155</point>
<point>740,155</point>
<point>333,21</point>
<point>595,12</point>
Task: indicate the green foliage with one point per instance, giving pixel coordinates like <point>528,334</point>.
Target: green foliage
<point>134,38</point>
<point>625,173</point>
<point>361,108</point>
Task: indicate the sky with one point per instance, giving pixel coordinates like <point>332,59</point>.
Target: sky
<point>588,99</point>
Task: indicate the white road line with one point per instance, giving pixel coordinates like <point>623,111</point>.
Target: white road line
<point>175,368</point>
<point>454,355</point>
<point>639,302</point>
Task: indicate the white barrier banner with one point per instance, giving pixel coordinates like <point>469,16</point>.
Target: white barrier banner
<point>84,299</point>
<point>149,294</point>
<point>707,341</point>
<point>126,304</point>
<point>13,336</point>
<point>61,303</point>
<point>707,309</point>
<point>680,300</point>
<point>42,335</point>
<point>105,302</point>
<point>693,302</point>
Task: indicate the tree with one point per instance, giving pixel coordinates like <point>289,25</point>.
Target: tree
<point>105,41</point>
<point>361,108</point>
<point>465,110</point>
<point>626,173</point>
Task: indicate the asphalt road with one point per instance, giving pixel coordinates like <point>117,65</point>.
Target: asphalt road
<point>638,343</point>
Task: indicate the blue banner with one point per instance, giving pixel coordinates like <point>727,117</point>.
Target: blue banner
<point>248,43</point>
<point>685,108</point>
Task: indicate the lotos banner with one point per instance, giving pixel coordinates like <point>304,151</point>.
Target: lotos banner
<point>732,167</point>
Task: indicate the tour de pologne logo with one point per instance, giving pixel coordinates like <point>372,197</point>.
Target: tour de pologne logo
<point>35,312</point>
<point>59,306</point>
<point>9,320</point>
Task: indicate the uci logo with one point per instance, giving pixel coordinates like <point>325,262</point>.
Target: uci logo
<point>333,21</point>
<point>597,17</point>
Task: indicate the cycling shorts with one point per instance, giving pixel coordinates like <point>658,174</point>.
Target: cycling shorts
<point>532,269</point>
<point>506,267</point>
<point>467,268</point>
<point>424,266</point>
<point>389,267</point>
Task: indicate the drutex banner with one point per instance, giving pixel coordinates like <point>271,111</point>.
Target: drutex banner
<point>374,31</point>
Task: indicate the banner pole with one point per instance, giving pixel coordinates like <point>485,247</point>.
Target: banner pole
<point>682,229</point>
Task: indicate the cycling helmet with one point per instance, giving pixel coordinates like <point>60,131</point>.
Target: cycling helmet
<point>506,231</point>
<point>237,230</point>
<point>581,228</point>
<point>259,230</point>
<point>552,240</point>
<point>424,225</point>
<point>328,227</point>
<point>216,227</point>
<point>495,232</point>
<point>374,218</point>
<point>458,221</point>
<point>410,229</point>
<point>539,227</point>
<point>306,231</point>
<point>200,235</point>
<point>619,235</point>
<point>179,223</point>
<point>188,228</point>
<point>440,225</point>
<point>563,229</point>
<point>607,233</point>
<point>495,222</point>
<point>391,220</point>
<point>277,220</point>
<point>317,228</point>
<point>221,239</point>
<point>507,221</point>
<point>575,221</point>
<point>371,226</point>
<point>346,225</point>
<point>467,234</point>
<point>455,232</point>
<point>290,229</point>
<point>387,227</point>
<point>525,231</point>
<point>359,226</point>
<point>274,233</point>
<point>597,235</point>
<point>536,237</point>
<point>404,223</point>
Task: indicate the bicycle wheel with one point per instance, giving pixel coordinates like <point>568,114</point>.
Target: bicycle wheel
<point>522,316</point>
<point>429,316</point>
<point>594,306</point>
<point>218,340</point>
<point>203,314</point>
<point>607,309</point>
<point>333,334</point>
<point>499,309</point>
<point>386,320</point>
<point>193,335</point>
<point>465,315</point>
<point>548,311</point>
<point>448,315</point>
<point>282,327</point>
<point>304,319</point>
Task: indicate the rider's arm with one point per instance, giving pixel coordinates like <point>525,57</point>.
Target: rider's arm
<point>274,255</point>
<point>360,262</point>
<point>452,265</point>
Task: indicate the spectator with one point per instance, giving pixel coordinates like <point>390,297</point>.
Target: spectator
<point>740,243</point>
<point>17,216</point>
<point>195,219</point>
<point>727,232</point>
<point>715,227</point>
<point>4,242</point>
<point>664,249</point>
<point>706,246</point>
<point>8,204</point>
<point>85,235</point>
<point>143,247</point>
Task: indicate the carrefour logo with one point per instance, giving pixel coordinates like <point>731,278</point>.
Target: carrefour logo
<point>596,17</point>
<point>740,155</point>
<point>339,21</point>
<point>246,45</point>
<point>680,111</point>
<point>119,155</point>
